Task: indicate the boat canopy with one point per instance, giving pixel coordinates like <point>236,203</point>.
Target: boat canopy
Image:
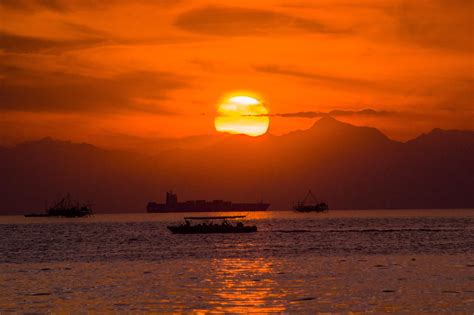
<point>216,218</point>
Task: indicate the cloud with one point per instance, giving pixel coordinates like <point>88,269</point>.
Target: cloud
<point>21,44</point>
<point>27,44</point>
<point>436,23</point>
<point>453,93</point>
<point>34,91</point>
<point>334,81</point>
<point>235,21</point>
<point>68,5</point>
<point>336,112</point>
<point>457,96</point>
<point>364,112</point>
<point>28,5</point>
<point>78,36</point>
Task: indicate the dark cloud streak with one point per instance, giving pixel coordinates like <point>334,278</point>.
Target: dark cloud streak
<point>25,44</point>
<point>83,38</point>
<point>332,81</point>
<point>34,91</point>
<point>236,21</point>
<point>31,5</point>
<point>436,24</point>
<point>70,5</point>
<point>336,112</point>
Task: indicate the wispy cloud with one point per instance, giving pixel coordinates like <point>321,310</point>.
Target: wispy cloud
<point>29,5</point>
<point>336,112</point>
<point>238,21</point>
<point>28,44</point>
<point>34,91</point>
<point>436,24</point>
<point>324,79</point>
<point>69,5</point>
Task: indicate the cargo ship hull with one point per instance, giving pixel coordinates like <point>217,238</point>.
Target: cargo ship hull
<point>172,205</point>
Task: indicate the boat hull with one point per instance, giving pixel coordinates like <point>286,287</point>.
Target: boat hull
<point>313,208</point>
<point>211,230</point>
<point>36,215</point>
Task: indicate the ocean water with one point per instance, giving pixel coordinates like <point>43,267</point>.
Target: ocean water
<point>340,261</point>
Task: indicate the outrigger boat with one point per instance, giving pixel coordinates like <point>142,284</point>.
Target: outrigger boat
<point>316,206</point>
<point>65,207</point>
<point>209,225</point>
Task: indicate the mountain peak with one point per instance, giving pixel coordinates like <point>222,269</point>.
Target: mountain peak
<point>328,125</point>
<point>327,121</point>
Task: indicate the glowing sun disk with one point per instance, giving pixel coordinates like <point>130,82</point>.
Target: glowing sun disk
<point>242,115</point>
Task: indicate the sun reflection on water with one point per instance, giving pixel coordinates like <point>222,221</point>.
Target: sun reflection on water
<point>243,286</point>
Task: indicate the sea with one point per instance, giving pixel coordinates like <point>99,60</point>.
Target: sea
<point>377,261</point>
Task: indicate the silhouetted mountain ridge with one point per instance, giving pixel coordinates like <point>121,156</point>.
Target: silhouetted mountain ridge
<point>445,136</point>
<point>348,166</point>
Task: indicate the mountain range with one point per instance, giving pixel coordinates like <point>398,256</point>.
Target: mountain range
<point>347,166</point>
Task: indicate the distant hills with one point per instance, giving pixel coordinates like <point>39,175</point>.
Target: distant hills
<point>347,166</point>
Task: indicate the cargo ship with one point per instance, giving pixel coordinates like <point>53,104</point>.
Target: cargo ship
<point>172,205</point>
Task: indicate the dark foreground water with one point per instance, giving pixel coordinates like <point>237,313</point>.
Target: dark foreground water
<point>342,261</point>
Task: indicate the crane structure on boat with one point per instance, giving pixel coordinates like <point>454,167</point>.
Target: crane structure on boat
<point>315,206</point>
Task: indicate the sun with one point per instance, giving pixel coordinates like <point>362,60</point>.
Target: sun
<point>242,114</point>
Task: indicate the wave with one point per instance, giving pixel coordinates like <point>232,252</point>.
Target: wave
<point>368,230</point>
<point>292,231</point>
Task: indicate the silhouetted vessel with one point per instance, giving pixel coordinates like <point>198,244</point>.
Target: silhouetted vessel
<point>316,206</point>
<point>209,226</point>
<point>65,207</point>
<point>172,205</point>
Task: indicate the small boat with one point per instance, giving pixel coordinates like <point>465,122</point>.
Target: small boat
<point>316,206</point>
<point>65,207</point>
<point>36,215</point>
<point>209,225</point>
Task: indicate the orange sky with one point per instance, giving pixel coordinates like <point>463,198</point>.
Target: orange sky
<point>84,71</point>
